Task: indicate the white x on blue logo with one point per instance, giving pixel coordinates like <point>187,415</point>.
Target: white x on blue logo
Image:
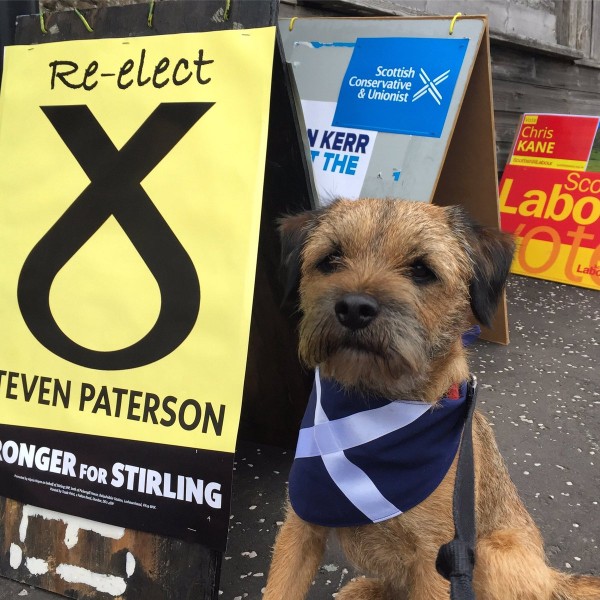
<point>328,439</point>
<point>431,86</point>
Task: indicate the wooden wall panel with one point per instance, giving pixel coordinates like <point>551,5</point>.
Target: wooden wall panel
<point>526,82</point>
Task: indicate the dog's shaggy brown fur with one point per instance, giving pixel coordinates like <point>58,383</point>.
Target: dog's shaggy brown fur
<point>428,269</point>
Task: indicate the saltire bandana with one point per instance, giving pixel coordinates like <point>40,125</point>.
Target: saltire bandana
<point>364,459</point>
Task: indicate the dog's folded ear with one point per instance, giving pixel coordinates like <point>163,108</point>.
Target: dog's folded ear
<point>293,232</point>
<point>491,252</point>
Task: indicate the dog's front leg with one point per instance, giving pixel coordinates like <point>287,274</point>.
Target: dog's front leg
<point>297,554</point>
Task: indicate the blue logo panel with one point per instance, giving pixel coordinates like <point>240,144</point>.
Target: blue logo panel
<point>400,85</point>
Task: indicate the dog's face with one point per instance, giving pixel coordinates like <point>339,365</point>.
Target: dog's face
<point>387,287</point>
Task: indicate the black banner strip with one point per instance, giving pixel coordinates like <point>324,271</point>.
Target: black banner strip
<point>168,490</point>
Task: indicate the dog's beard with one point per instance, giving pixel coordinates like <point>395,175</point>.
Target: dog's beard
<point>395,355</point>
<point>385,352</point>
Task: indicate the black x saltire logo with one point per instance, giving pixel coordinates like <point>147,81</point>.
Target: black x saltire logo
<point>115,190</point>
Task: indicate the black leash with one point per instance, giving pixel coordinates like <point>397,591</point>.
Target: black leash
<point>456,559</point>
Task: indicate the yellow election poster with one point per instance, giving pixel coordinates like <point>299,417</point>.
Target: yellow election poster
<point>131,181</point>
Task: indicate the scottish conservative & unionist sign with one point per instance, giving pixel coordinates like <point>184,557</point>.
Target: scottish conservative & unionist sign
<point>400,85</point>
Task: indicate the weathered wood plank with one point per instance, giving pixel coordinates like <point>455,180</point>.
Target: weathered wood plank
<point>506,126</point>
<point>181,16</point>
<point>10,590</point>
<point>135,565</point>
<point>510,65</point>
<point>289,9</point>
<point>595,33</point>
<point>364,7</point>
<point>530,97</point>
<point>561,77</point>
<point>574,18</point>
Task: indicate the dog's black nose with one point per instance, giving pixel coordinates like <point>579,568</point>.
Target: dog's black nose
<point>356,311</point>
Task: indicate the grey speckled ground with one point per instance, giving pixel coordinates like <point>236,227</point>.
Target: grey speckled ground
<point>541,393</point>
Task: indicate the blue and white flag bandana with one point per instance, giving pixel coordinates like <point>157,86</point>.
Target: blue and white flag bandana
<point>364,459</point>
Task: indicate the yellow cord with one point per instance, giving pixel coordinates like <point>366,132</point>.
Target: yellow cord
<point>458,14</point>
<point>83,20</point>
<point>227,9</point>
<point>42,24</point>
<point>292,21</point>
<point>151,13</point>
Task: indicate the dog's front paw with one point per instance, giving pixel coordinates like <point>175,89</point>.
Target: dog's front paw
<point>364,589</point>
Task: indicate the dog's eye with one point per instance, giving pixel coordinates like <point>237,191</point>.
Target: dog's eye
<point>421,273</point>
<point>330,263</point>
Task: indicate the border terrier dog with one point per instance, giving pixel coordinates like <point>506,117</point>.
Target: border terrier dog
<point>387,288</point>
